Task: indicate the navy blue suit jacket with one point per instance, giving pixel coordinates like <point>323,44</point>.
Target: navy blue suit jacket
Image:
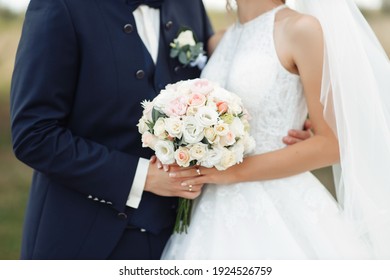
<point>81,72</point>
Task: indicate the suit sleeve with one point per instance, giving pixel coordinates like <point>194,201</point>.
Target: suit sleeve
<point>42,93</point>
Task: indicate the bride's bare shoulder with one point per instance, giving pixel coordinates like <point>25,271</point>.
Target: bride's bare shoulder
<point>301,26</point>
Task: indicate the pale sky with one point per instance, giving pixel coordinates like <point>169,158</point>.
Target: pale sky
<point>20,5</point>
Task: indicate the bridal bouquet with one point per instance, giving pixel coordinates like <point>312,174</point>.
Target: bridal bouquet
<point>196,122</point>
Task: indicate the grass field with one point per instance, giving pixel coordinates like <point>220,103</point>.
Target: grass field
<point>15,177</point>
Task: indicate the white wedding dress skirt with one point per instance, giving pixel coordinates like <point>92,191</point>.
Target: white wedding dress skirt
<point>288,218</point>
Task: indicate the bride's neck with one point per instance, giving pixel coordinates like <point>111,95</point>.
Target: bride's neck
<point>250,9</point>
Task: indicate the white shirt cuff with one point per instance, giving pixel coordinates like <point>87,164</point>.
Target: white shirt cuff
<point>137,188</point>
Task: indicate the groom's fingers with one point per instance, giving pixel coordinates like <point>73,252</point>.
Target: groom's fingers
<point>190,195</point>
<point>296,136</point>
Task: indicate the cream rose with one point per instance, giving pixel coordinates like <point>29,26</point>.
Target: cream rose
<point>211,135</point>
<point>221,129</point>
<point>142,125</point>
<point>159,128</point>
<point>174,127</point>
<point>198,151</point>
<point>228,159</point>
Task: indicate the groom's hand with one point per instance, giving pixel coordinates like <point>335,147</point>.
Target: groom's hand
<point>294,136</point>
<point>160,183</point>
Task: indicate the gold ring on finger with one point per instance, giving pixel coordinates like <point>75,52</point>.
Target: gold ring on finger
<point>190,188</point>
<point>198,171</point>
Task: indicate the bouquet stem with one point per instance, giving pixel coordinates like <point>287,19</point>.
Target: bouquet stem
<point>183,215</point>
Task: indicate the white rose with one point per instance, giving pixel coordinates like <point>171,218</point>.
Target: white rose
<point>221,129</point>
<point>228,159</point>
<point>182,156</point>
<point>206,116</point>
<point>235,108</point>
<point>184,87</point>
<point>142,126</point>
<point>192,131</point>
<point>159,128</point>
<point>238,150</point>
<point>237,127</point>
<point>174,127</point>
<point>198,151</point>
<point>249,144</point>
<point>211,103</point>
<point>185,38</point>
<point>165,151</point>
<point>212,158</point>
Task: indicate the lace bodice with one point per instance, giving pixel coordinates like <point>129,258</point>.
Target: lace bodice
<point>246,63</point>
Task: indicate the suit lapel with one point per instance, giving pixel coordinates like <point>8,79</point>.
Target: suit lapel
<point>164,65</point>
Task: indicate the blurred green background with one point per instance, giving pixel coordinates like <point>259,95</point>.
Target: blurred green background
<point>15,177</point>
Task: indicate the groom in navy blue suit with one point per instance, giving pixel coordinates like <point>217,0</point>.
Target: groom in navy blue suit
<point>81,72</point>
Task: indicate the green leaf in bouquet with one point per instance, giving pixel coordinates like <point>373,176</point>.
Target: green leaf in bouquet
<point>150,126</point>
<point>181,142</point>
<point>183,58</point>
<point>156,115</point>
<point>174,53</point>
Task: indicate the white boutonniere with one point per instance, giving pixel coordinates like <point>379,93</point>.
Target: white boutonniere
<point>188,51</point>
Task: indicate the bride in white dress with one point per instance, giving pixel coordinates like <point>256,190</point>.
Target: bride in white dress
<point>271,206</point>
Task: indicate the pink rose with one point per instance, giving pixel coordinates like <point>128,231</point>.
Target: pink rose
<point>149,140</point>
<point>228,140</point>
<point>177,107</point>
<point>202,86</point>
<point>197,100</point>
<point>182,156</point>
<point>222,107</point>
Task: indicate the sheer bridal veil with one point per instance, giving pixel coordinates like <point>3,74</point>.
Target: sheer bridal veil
<point>356,98</point>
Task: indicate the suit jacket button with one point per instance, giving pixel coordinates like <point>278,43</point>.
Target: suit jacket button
<point>128,28</point>
<point>177,69</point>
<point>168,25</point>
<point>140,74</point>
<point>122,216</point>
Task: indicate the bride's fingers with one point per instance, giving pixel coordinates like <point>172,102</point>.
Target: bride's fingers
<point>185,173</point>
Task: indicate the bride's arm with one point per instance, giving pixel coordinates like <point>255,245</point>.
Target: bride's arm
<point>214,41</point>
<point>316,152</point>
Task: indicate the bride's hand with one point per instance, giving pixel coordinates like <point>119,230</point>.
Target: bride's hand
<point>199,175</point>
